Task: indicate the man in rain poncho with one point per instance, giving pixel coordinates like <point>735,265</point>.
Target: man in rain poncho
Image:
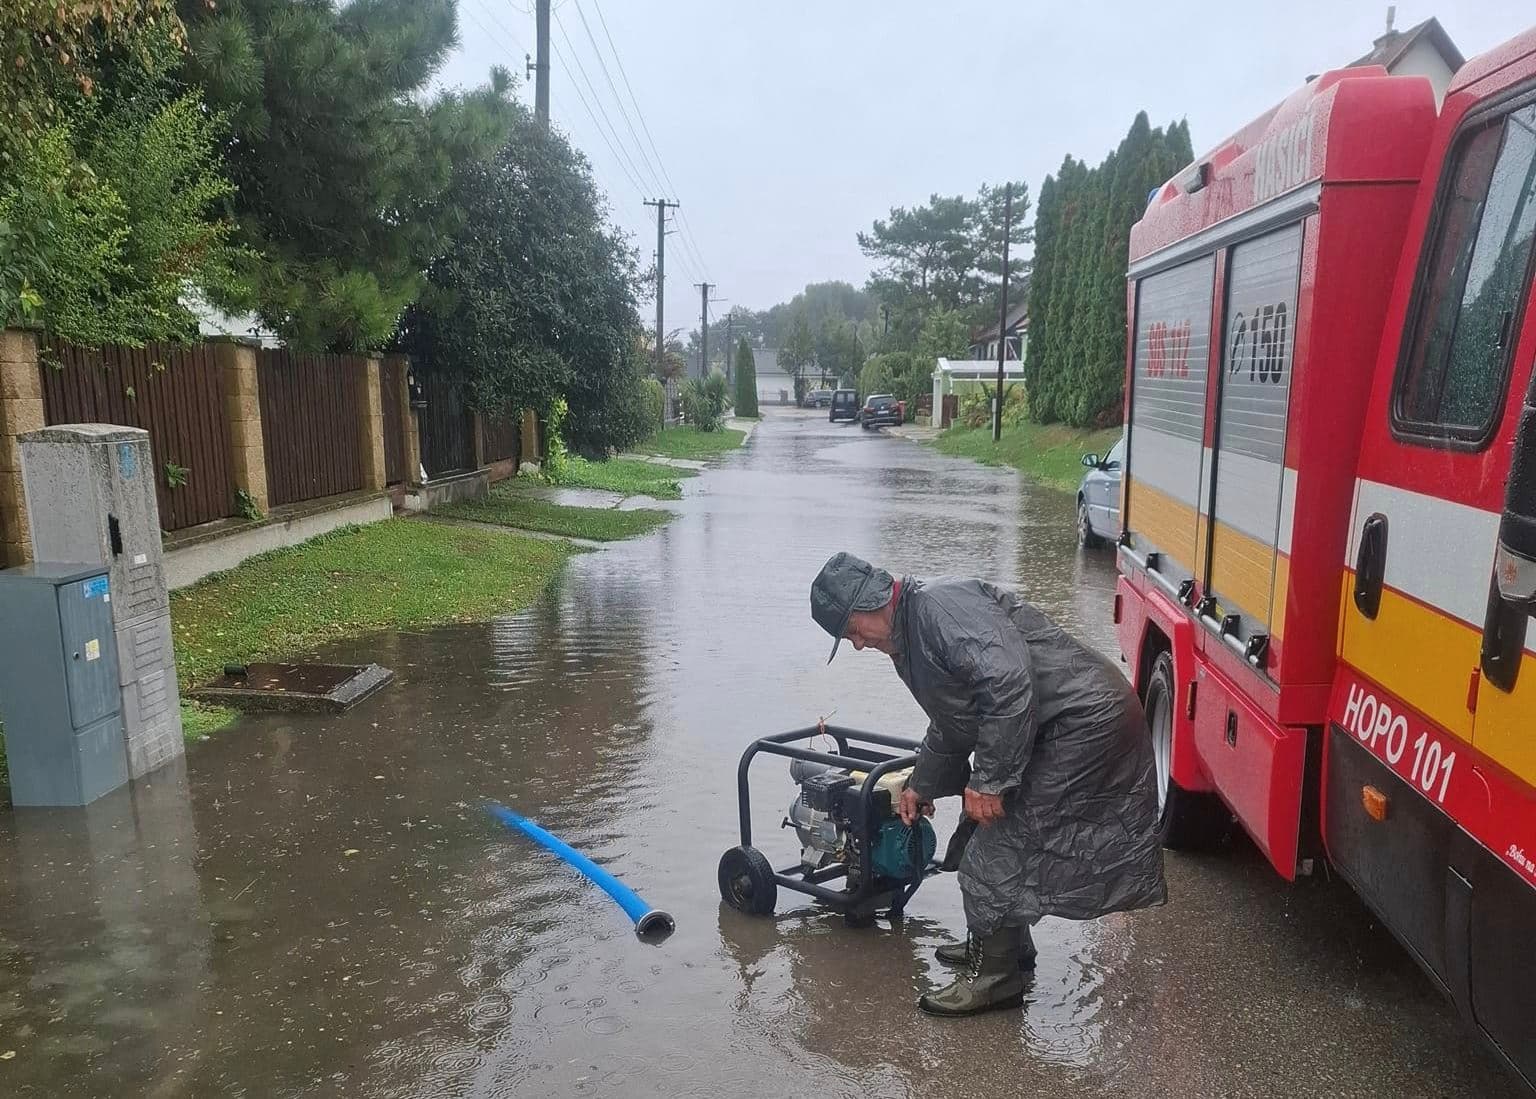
<point>1062,790</point>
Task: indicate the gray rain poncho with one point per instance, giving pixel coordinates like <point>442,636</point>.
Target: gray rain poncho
<point>1056,730</point>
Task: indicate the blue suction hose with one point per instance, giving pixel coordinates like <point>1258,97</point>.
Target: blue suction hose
<point>651,924</point>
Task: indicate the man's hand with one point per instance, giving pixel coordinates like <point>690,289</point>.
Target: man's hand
<point>910,807</point>
<point>984,809</point>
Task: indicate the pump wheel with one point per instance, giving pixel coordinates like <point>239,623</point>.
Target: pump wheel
<point>746,881</point>
<point>1188,820</point>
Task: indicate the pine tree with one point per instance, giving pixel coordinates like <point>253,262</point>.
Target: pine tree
<point>746,382</point>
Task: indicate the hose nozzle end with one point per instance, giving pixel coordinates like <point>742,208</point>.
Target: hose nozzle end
<point>655,926</point>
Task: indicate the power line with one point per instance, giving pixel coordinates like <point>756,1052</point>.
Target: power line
<point>597,99</point>
<point>687,231</point>
<point>612,88</point>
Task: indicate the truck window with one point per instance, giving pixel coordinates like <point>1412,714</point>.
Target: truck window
<point>1167,415</point>
<point>1453,379</point>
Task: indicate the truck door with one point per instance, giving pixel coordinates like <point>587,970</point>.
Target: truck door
<point>1431,486</point>
<point>1426,617</point>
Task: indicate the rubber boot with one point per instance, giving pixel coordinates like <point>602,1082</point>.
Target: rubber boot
<point>991,980</point>
<point>956,954</point>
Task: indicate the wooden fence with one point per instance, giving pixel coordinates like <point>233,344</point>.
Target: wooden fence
<point>311,423</point>
<point>447,426</point>
<point>392,374</point>
<point>173,392</point>
<point>502,436</point>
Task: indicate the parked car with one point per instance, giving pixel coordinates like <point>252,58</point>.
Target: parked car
<point>881,408</point>
<point>844,405</point>
<point>1098,498</point>
<point>819,398</point>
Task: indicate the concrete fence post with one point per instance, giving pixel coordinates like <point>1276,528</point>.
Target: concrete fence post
<point>410,423</point>
<point>236,360</point>
<point>21,410</point>
<point>371,410</point>
<point>477,426</point>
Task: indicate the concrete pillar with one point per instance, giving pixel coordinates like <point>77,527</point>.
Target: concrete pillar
<point>371,409</point>
<point>477,422</point>
<point>21,410</point>
<point>236,360</point>
<point>530,436</point>
<point>411,422</point>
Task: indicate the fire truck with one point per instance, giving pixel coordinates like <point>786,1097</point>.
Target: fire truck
<point>1327,564</point>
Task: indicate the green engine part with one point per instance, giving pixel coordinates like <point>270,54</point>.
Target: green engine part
<point>893,850</point>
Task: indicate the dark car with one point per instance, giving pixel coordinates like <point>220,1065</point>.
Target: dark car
<point>1098,498</point>
<point>819,398</point>
<point>844,405</point>
<point>880,409</point>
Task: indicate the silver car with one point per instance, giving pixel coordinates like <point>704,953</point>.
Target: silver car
<point>1098,498</point>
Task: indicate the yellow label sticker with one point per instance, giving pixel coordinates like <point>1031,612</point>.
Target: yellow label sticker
<point>92,649</point>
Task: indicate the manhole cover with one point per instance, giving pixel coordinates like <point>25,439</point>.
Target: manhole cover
<point>315,688</point>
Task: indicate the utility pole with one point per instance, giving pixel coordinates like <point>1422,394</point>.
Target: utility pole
<point>540,69</point>
<point>1002,313</point>
<point>703,329</point>
<point>662,206</point>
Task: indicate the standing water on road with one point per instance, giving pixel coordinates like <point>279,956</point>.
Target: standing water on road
<point>320,905</point>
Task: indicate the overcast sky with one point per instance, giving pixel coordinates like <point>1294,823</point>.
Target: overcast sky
<point>785,126</point>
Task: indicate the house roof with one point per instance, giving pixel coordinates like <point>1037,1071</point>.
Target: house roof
<point>1018,317</point>
<point>1389,49</point>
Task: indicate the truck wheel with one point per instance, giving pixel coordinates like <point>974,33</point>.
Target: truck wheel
<point>746,881</point>
<point>1188,820</point>
<point>1085,536</point>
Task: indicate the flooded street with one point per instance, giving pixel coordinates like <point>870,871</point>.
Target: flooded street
<point>320,906</point>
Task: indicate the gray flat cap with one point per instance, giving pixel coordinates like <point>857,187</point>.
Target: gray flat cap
<point>846,584</point>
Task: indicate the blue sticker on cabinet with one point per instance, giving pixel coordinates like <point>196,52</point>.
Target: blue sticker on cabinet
<point>128,460</point>
<point>95,587</point>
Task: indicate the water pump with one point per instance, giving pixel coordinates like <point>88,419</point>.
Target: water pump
<point>844,815</point>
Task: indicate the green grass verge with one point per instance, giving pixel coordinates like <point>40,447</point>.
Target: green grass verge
<point>398,574</point>
<point>690,442</point>
<point>199,721</point>
<point>1048,453</point>
<point>509,508</point>
<point>630,476</point>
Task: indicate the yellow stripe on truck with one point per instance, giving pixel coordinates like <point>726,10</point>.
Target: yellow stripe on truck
<point>1242,572</point>
<point>1167,523</point>
<point>1422,656</point>
<point>1504,721</point>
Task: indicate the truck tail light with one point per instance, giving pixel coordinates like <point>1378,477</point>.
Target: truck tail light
<point>1375,803</point>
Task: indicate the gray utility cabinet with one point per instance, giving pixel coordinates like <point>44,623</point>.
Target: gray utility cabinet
<point>59,693</point>
<point>91,497</point>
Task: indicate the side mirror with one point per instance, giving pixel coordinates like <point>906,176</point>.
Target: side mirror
<point>1092,461</point>
<point>1514,563</point>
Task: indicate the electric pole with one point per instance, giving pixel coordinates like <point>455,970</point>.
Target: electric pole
<point>1002,313</point>
<point>540,68</point>
<point>662,206</point>
<point>703,329</point>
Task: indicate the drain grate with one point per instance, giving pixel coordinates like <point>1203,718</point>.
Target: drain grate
<point>303,688</point>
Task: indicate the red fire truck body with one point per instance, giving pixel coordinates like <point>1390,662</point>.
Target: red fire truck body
<point>1330,348</point>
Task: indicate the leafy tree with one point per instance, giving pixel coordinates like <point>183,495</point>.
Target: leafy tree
<point>341,159</point>
<point>798,353</point>
<point>746,381</point>
<point>534,299</point>
<point>944,336</point>
<point>54,52</point>
<point>108,216</point>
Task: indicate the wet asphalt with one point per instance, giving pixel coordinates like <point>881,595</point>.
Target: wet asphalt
<point>319,906</point>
